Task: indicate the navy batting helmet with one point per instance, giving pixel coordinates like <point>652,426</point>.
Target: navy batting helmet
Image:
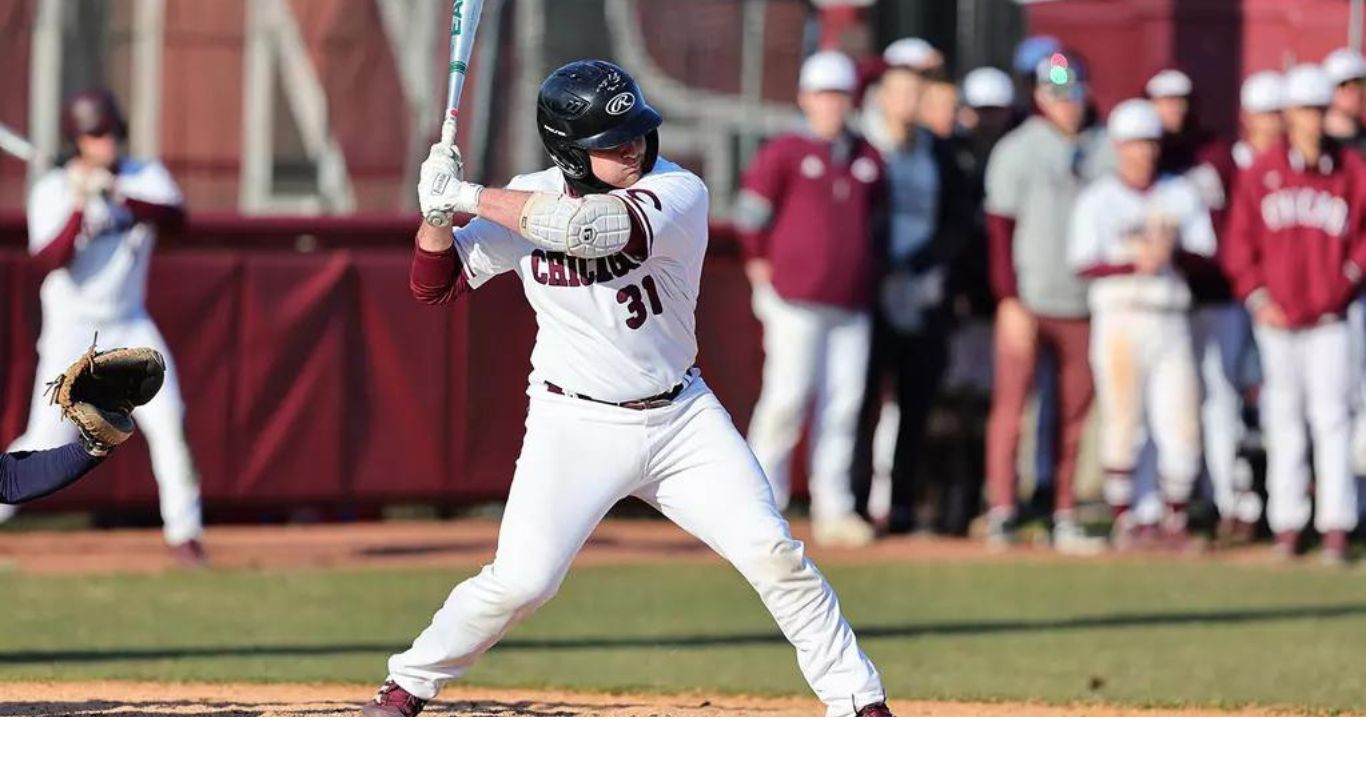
<point>588,105</point>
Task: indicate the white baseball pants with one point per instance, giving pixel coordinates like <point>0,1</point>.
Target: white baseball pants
<point>686,459</point>
<point>1144,365</point>
<point>819,352</point>
<point>162,420</point>
<point>1307,379</point>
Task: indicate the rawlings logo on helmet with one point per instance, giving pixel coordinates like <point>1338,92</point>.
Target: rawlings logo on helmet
<point>621,103</point>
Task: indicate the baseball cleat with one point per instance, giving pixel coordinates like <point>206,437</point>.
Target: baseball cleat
<point>848,531</point>
<point>392,701</point>
<point>1335,548</point>
<point>875,710</point>
<point>1287,545</point>
<point>1000,528</point>
<point>1069,538</point>
<point>190,555</point>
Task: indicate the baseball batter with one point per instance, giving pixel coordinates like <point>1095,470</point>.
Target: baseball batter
<point>93,225</point>
<point>609,246</point>
<point>1133,235</point>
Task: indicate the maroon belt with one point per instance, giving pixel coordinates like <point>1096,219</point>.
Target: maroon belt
<point>644,404</point>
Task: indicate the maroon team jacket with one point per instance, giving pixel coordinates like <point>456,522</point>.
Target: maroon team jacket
<point>824,203</point>
<point>1299,233</point>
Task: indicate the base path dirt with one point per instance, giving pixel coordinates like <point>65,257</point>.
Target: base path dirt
<point>461,543</point>
<point>118,698</point>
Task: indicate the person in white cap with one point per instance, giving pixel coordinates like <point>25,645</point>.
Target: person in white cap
<point>1347,69</point>
<point>986,91</point>
<point>1136,237</point>
<point>1032,180</point>
<point>928,220</point>
<point>1296,251</point>
<point>808,213</point>
<point>913,53</point>
<point>1262,98</point>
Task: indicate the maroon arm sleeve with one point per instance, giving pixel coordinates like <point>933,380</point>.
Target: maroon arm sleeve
<point>763,191</point>
<point>437,278</point>
<point>1097,271</point>
<point>1001,256</point>
<point>58,253</point>
<point>170,218</point>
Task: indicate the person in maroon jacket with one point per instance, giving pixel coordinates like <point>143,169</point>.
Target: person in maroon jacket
<point>1296,250</point>
<point>808,214</point>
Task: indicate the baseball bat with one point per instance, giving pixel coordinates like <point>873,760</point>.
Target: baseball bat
<point>464,22</point>
<point>13,144</point>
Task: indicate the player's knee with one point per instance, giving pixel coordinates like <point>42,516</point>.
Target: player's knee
<point>528,590</point>
<point>772,560</point>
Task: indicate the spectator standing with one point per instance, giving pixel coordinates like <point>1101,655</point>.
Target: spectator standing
<point>927,219</point>
<point>1347,70</point>
<point>1033,178</point>
<point>1137,237</point>
<point>1296,253</point>
<point>809,212</point>
<point>1221,328</point>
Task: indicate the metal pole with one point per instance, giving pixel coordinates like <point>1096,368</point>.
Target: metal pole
<point>45,82</point>
<point>149,22</point>
<point>1354,25</point>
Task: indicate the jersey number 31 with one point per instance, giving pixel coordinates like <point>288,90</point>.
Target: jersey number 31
<point>635,303</point>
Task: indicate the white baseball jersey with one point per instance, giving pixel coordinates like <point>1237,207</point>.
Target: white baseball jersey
<point>1109,212</point>
<point>107,278</point>
<point>617,328</point>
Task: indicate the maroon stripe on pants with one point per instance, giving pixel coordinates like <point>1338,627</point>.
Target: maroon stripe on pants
<point>1070,341</point>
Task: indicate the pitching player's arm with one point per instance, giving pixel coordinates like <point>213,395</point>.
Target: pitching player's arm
<point>29,475</point>
<point>54,222</point>
<point>762,191</point>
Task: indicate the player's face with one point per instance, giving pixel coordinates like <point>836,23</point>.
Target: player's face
<point>899,95</point>
<point>620,166</point>
<point>1263,128</point>
<point>1304,123</point>
<point>1137,162</point>
<point>939,108</point>
<point>1171,110</point>
<point>1347,98</point>
<point>1064,112</point>
<point>98,150</point>
<point>826,111</point>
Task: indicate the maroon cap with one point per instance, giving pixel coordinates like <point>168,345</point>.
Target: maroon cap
<point>93,112</point>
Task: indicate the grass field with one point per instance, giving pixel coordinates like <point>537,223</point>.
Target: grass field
<point>1139,633</point>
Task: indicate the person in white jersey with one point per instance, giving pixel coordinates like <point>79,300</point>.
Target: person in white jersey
<point>609,245</point>
<point>93,225</point>
<point>1139,238</point>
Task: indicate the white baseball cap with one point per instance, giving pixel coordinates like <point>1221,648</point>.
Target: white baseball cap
<point>1344,65</point>
<point>912,52</point>
<point>828,71</point>
<point>1307,85</point>
<point>1169,83</point>
<point>988,87</point>
<point>1134,120</point>
<point>1263,92</point>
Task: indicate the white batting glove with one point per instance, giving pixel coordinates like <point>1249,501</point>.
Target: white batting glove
<point>88,183</point>
<point>441,189</point>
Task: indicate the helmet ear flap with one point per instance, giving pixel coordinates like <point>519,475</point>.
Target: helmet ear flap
<point>651,151</point>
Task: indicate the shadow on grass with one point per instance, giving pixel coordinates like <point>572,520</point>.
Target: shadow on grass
<point>1113,621</point>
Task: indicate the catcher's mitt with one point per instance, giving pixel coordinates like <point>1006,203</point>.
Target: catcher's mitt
<point>100,390</point>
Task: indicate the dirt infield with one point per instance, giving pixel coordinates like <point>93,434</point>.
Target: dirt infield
<point>116,698</point>
<point>461,543</point>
